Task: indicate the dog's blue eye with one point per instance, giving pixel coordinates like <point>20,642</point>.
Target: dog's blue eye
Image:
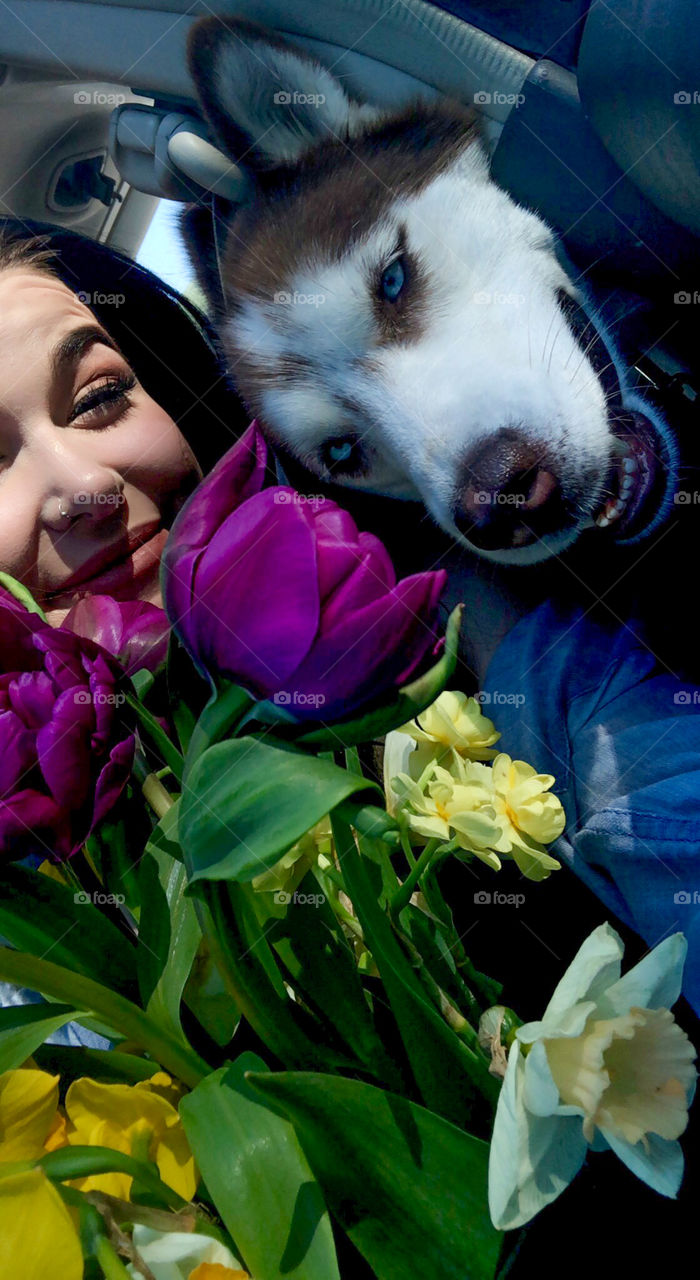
<point>393,280</point>
<point>342,455</point>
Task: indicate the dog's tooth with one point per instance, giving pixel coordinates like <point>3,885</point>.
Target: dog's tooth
<point>630,465</point>
<point>627,486</point>
<point>602,521</point>
<point>621,449</point>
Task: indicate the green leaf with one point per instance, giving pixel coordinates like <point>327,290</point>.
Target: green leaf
<point>67,1163</point>
<point>242,951</point>
<point>258,1178</point>
<point>42,916</point>
<point>151,726</point>
<point>322,969</point>
<point>406,705</point>
<point>409,1188</point>
<point>24,1027</point>
<point>164,837</point>
<point>128,1019</point>
<point>108,1065</point>
<point>248,801</point>
<point>168,937</point>
<point>453,1080</point>
<point>21,593</point>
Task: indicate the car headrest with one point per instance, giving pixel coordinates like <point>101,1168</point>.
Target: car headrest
<point>639,85</point>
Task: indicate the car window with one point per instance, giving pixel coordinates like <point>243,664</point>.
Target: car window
<point>162,251</point>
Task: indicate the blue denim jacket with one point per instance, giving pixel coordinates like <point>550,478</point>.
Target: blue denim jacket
<point>622,738</point>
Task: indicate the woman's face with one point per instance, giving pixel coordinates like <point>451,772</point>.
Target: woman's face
<point>92,470</point>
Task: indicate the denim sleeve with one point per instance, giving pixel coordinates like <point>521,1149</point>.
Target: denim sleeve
<point>622,738</point>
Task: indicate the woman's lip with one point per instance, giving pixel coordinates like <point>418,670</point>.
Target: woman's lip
<point>129,573</point>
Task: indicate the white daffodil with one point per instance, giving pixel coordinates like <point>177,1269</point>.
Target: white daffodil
<point>180,1255</point>
<point>607,1066</point>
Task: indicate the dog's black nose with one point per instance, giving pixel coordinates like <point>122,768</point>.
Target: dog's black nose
<point>510,495</point>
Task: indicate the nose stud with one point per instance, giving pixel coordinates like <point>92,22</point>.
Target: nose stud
<point>65,515</point>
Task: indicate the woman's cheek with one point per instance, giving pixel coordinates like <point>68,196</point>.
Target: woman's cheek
<point>154,455</point>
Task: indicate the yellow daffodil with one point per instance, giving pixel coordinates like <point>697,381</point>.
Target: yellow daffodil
<point>137,1120</point>
<point>453,723</point>
<point>37,1236</point>
<point>530,816</point>
<point>286,875</point>
<point>448,810</point>
<point>489,810</point>
<point>28,1114</point>
<point>177,1255</point>
<point>452,729</point>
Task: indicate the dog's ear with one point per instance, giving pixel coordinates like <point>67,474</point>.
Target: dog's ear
<point>266,101</point>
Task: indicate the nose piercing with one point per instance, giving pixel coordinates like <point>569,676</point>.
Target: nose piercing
<point>65,515</point>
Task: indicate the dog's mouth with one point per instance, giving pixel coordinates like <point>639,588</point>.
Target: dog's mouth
<point>639,474</point>
<point>637,480</point>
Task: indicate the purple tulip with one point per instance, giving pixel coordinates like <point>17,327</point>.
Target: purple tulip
<point>133,631</point>
<point>281,593</point>
<point>66,756</point>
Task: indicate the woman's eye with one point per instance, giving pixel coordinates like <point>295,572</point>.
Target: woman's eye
<point>393,279</point>
<point>103,398</point>
<point>342,455</point>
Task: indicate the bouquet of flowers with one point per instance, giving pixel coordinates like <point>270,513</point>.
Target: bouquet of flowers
<point>201,864</point>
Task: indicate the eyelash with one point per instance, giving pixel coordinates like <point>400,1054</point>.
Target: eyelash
<point>103,396</point>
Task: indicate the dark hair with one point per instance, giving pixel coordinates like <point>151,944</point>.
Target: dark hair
<point>168,342</point>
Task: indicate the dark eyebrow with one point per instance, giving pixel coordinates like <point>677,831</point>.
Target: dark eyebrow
<point>74,345</point>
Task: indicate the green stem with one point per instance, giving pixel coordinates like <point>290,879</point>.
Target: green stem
<point>402,897</point>
<point>157,795</point>
<point>223,712</point>
<point>159,738</point>
<point>132,1023</point>
<point>112,1266</point>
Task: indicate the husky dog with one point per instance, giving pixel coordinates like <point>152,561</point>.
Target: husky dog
<point>398,324</point>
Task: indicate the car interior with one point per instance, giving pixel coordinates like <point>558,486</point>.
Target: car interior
<point>580,103</point>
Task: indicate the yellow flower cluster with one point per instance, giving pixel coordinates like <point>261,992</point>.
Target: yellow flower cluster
<point>435,775</point>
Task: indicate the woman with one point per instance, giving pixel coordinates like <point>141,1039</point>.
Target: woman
<point>105,376</point>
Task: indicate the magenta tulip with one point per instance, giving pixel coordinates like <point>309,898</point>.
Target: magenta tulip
<point>133,631</point>
<point>283,595</point>
<point>66,755</point>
